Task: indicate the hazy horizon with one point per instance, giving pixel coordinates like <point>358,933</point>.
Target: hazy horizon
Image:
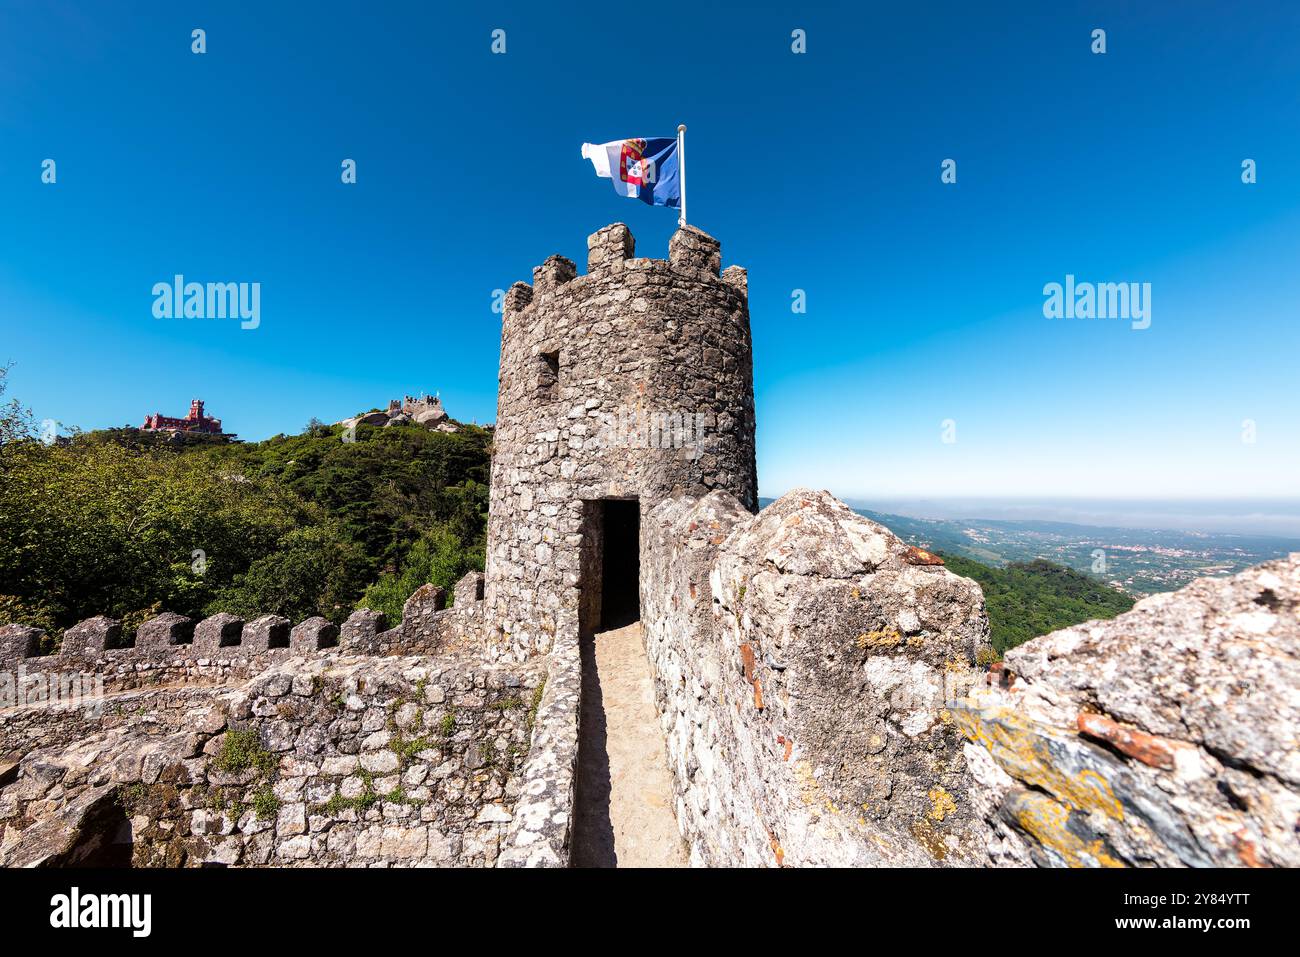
<point>1268,517</point>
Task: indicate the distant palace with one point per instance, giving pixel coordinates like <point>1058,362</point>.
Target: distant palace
<point>196,421</point>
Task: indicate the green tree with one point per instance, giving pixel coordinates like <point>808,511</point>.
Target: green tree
<point>312,572</point>
<point>16,420</point>
<point>128,523</point>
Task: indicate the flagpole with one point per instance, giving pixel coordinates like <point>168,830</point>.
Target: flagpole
<point>681,169</point>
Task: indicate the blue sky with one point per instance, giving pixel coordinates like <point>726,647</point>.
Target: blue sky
<point>818,171</point>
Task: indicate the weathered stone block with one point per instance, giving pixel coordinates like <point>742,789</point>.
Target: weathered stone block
<point>314,634</point>
<point>219,631</point>
<point>737,276</point>
<point>19,641</point>
<point>262,634</point>
<point>693,248</point>
<point>553,272</point>
<point>607,246</point>
<point>424,600</point>
<point>518,296</point>
<point>468,589</point>
<point>92,636</point>
<point>168,630</point>
<point>358,633</point>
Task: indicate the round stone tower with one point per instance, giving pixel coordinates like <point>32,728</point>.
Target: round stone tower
<point>618,388</point>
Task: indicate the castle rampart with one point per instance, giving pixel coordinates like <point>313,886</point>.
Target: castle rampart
<point>326,762</point>
<point>818,687</point>
<point>223,648</point>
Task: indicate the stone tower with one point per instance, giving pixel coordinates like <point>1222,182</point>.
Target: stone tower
<point>618,389</point>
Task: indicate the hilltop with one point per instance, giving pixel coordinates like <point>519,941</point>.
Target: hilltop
<point>424,410</point>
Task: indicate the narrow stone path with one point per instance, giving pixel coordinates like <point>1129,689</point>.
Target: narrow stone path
<point>624,806</point>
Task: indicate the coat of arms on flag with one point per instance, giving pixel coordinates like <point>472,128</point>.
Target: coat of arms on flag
<point>634,167</point>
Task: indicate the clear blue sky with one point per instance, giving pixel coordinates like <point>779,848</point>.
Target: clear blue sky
<point>818,172</point>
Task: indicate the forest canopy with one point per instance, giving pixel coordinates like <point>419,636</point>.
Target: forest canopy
<point>1028,599</point>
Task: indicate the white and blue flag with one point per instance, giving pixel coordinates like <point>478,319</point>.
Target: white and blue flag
<point>644,169</point>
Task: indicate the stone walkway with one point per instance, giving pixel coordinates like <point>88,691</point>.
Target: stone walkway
<point>624,813</point>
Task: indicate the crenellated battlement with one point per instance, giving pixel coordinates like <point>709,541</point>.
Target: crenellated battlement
<point>693,255</point>
<point>177,649</point>
<point>170,634</point>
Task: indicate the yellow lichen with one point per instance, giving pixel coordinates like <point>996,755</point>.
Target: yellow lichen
<point>930,839</point>
<point>941,804</point>
<point>1047,821</point>
<point>1022,750</point>
<point>888,638</point>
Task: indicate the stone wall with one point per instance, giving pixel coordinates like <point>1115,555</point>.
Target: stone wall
<point>601,376</point>
<point>326,762</point>
<point>168,649</point>
<point>428,626</point>
<point>802,659</point>
<point>540,834</point>
<point>224,649</point>
<point>816,677</point>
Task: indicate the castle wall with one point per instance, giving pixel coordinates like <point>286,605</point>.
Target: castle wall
<point>28,680</point>
<point>632,381</point>
<point>817,687</point>
<point>802,661</point>
<point>428,626</point>
<point>318,762</point>
<point>369,758</point>
<point>224,649</point>
<point>816,677</point>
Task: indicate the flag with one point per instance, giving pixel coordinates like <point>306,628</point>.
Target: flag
<point>644,169</point>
